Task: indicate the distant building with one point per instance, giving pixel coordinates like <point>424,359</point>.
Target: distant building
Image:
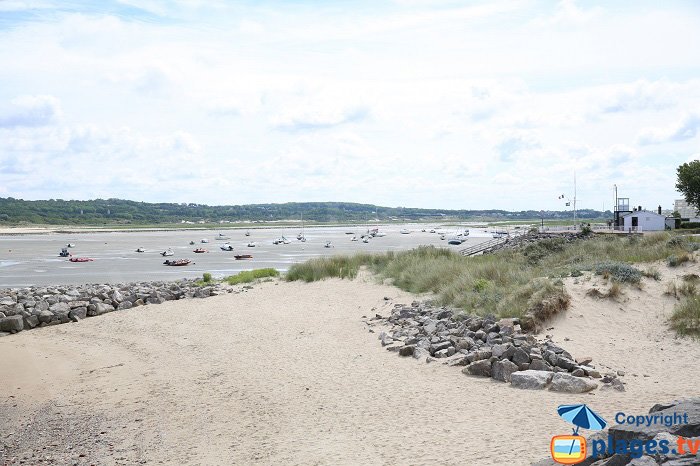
<point>643,220</point>
<point>686,211</point>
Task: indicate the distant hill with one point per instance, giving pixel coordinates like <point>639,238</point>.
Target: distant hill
<point>119,211</point>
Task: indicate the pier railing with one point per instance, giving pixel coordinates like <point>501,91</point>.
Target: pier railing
<point>481,247</point>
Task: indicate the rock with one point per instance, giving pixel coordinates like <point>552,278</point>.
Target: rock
<point>584,361</point>
<point>578,373</point>
<point>440,346</point>
<point>421,353</point>
<point>407,350</point>
<point>59,309</point>
<point>429,327</point>
<point>567,383</point>
<point>614,384</point>
<point>78,313</point>
<point>498,350</point>
<point>99,309</point>
<point>540,365</point>
<point>45,316</point>
<point>520,356</point>
<point>124,305</point>
<point>643,461</point>
<point>31,321</point>
<point>502,370</point>
<point>565,363</point>
<point>480,368</point>
<point>531,379</point>
<point>7,301</point>
<point>117,297</point>
<point>12,324</point>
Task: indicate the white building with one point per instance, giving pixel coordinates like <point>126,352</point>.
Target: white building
<point>643,220</point>
<point>684,209</point>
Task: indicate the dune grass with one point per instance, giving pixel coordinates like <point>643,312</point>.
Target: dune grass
<point>509,283</point>
<point>248,276</point>
<point>686,317</point>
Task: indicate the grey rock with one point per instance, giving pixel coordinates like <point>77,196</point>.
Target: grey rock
<point>78,312</point>
<point>124,305</point>
<point>503,369</point>
<point>480,368</point>
<point>31,321</point>
<point>60,309</point>
<point>540,365</point>
<point>567,383</point>
<point>45,317</point>
<point>407,350</point>
<point>520,356</point>
<point>12,324</point>
<point>531,379</point>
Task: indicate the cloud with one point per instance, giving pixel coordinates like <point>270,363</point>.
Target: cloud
<point>514,145</point>
<point>686,128</point>
<point>31,111</point>
<point>311,120</point>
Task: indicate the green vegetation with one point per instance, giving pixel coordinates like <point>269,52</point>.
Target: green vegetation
<point>129,213</point>
<point>206,277</point>
<point>249,276</point>
<point>686,317</point>
<point>509,282</point>
<point>689,182</point>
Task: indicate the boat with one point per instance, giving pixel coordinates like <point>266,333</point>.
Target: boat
<point>251,245</point>
<point>177,262</point>
<point>226,247</point>
<point>455,241</point>
<point>247,233</point>
<point>222,237</point>
<point>328,245</point>
<point>354,238</point>
<point>81,259</point>
<point>167,252</point>
<point>379,234</point>
<point>240,257</point>
<point>200,251</point>
<point>192,243</point>
<point>365,239</point>
<point>349,233</point>
<point>301,236</point>
<point>70,245</point>
<point>432,230</point>
<point>64,253</point>
<point>140,250</point>
<point>204,240</point>
<point>442,237</point>
<point>405,231</point>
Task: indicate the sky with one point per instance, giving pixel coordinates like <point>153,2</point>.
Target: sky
<point>415,103</point>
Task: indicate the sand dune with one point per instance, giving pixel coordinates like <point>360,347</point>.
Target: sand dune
<point>287,373</point>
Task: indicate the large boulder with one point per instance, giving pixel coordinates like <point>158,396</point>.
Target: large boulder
<point>78,313</point>
<point>562,382</point>
<point>60,308</point>
<point>11,324</point>
<point>503,369</point>
<point>45,316</point>
<point>531,380</point>
<point>31,321</point>
<point>481,368</point>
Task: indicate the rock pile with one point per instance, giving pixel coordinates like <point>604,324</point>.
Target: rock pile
<point>487,347</point>
<point>518,242</point>
<point>27,308</point>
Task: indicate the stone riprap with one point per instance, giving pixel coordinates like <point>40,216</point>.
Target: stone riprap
<point>488,347</point>
<point>28,308</point>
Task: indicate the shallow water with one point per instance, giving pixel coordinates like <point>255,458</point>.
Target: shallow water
<point>33,259</point>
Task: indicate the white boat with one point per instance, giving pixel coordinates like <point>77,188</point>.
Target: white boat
<point>226,247</point>
<point>328,245</point>
<point>251,245</point>
<point>405,231</point>
<point>432,230</point>
<point>365,239</point>
<point>443,236</point>
<point>354,238</point>
<point>285,240</point>
<point>204,240</point>
<point>70,245</point>
<point>167,252</point>
<point>140,250</point>
<point>247,233</point>
<point>222,237</point>
<point>380,234</point>
<point>301,237</point>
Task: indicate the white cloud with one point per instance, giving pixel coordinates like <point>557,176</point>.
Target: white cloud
<point>686,128</point>
<point>30,110</point>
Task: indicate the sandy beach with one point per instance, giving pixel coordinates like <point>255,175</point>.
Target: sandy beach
<point>288,373</point>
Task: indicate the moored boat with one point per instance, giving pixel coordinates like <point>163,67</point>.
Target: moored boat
<point>251,245</point>
<point>177,262</point>
<point>140,250</point>
<point>226,247</point>
<point>222,237</point>
<point>405,231</point>
<point>81,259</point>
<point>167,252</point>
<point>200,251</point>
<point>239,257</point>
<point>64,253</point>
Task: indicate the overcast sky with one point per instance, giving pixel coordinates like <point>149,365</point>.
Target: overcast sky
<point>418,103</point>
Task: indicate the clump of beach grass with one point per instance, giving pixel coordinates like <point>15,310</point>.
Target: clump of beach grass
<point>685,319</point>
<point>614,292</point>
<point>618,271</point>
<point>248,276</point>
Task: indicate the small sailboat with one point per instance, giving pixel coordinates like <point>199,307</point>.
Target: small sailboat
<point>167,252</point>
<point>226,247</point>
<point>204,240</point>
<point>354,238</point>
<point>328,245</point>
<point>70,245</point>
<point>64,253</point>
<point>240,257</point>
<point>405,231</point>
<point>365,239</point>
<point>200,251</point>
<point>192,243</point>
<point>222,237</point>
<point>251,245</point>
<point>247,233</point>
<point>81,259</point>
<point>301,237</point>
<point>140,250</point>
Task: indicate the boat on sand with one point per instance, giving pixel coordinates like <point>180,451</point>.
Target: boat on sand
<point>239,257</point>
<point>81,259</point>
<point>200,251</point>
<point>177,262</point>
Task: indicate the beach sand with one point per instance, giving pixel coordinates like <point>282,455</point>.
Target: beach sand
<point>288,373</point>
